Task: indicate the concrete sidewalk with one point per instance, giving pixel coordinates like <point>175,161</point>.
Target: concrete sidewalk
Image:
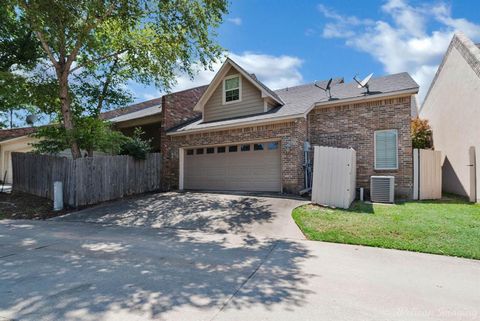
<point>80,271</point>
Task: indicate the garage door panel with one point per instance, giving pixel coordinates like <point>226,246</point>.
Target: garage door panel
<point>242,170</point>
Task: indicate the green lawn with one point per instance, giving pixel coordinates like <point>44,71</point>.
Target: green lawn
<point>449,226</point>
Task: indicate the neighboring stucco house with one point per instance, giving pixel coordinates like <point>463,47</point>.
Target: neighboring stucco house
<point>452,107</point>
<point>237,134</point>
<point>13,140</point>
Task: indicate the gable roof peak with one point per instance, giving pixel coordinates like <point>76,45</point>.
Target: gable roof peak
<point>266,92</point>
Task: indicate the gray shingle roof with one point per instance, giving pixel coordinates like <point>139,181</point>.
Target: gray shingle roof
<point>271,92</point>
<point>6,134</point>
<point>300,99</point>
<point>157,102</point>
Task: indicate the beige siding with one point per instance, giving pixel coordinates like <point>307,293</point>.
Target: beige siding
<point>271,104</point>
<point>453,110</point>
<point>251,102</point>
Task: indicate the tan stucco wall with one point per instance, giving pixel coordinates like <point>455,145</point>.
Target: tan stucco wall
<point>21,145</point>
<point>453,109</point>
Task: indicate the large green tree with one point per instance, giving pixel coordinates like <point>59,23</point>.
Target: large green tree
<point>19,51</point>
<point>110,42</point>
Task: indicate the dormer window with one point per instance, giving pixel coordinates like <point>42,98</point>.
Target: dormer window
<point>232,89</point>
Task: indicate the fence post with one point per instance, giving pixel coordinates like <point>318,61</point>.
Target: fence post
<point>477,174</point>
<point>57,196</point>
<point>473,185</point>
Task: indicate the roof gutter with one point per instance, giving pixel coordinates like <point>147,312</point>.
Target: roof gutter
<point>9,140</point>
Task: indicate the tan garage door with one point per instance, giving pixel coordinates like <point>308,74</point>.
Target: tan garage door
<point>243,167</point>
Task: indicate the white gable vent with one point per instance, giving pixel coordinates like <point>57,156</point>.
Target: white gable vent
<point>382,189</point>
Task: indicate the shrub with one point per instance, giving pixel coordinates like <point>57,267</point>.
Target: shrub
<point>91,134</point>
<point>136,146</point>
<point>421,134</point>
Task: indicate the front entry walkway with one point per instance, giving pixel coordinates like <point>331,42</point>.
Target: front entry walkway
<point>220,213</point>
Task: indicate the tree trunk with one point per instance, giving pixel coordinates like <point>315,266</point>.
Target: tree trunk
<point>66,112</point>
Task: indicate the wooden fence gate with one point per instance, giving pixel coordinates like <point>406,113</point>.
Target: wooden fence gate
<point>86,180</point>
<point>427,170</point>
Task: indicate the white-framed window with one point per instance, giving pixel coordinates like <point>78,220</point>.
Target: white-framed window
<point>232,89</point>
<point>386,149</point>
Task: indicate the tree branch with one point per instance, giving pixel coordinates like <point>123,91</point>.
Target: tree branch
<point>99,59</point>
<point>88,27</point>
<point>47,49</point>
<point>105,88</point>
<point>40,36</point>
<point>73,55</point>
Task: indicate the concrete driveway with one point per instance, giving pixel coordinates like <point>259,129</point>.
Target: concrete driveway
<point>51,270</point>
<point>268,216</point>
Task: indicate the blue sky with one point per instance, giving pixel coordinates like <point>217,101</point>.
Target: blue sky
<point>287,43</point>
<point>294,42</point>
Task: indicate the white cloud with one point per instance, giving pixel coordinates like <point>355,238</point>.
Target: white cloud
<point>403,42</point>
<point>342,26</point>
<point>236,21</point>
<point>275,71</point>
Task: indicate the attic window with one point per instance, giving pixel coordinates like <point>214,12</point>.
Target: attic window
<point>231,89</point>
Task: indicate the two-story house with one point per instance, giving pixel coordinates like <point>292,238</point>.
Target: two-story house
<point>236,134</point>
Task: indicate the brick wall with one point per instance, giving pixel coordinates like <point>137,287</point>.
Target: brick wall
<point>353,125</point>
<point>291,135</point>
<point>177,108</point>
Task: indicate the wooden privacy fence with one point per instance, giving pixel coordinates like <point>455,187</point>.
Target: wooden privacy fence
<point>427,173</point>
<point>86,180</point>
<point>334,176</point>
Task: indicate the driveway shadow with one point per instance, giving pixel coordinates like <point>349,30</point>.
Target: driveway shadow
<point>194,211</point>
<point>142,274</point>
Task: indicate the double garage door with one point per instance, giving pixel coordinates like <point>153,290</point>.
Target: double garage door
<point>240,167</point>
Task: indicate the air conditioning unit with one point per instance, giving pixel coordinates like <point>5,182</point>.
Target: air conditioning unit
<point>382,189</point>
